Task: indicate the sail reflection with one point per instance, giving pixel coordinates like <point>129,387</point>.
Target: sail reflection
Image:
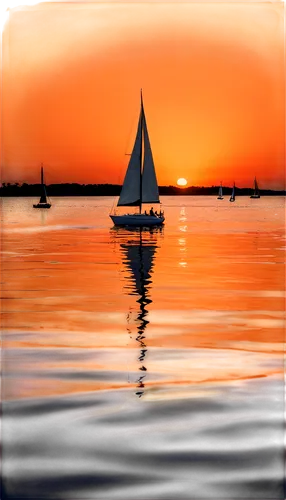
<point>138,256</point>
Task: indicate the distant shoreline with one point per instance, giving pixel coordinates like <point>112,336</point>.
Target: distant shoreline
<point>74,189</point>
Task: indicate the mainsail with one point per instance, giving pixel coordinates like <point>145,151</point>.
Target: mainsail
<point>140,183</point>
<point>256,190</point>
<point>130,193</point>
<point>232,198</point>
<point>220,191</point>
<point>43,198</point>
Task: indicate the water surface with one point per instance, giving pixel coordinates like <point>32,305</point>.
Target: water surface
<point>143,364</point>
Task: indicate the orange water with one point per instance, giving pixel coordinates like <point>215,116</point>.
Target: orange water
<point>203,299</point>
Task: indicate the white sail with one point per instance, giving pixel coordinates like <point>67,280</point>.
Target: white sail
<point>130,193</point>
<point>232,198</point>
<point>150,192</point>
<point>220,191</point>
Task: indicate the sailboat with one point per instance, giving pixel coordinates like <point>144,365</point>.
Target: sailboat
<point>140,182</point>
<point>255,190</point>
<point>220,195</point>
<point>43,203</point>
<point>232,197</point>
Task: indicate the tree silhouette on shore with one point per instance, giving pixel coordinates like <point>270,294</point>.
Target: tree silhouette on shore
<point>75,189</point>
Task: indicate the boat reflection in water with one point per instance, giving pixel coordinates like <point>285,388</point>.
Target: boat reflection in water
<point>138,257</point>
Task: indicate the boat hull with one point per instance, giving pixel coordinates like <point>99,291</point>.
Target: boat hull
<point>138,220</point>
<point>220,197</point>
<point>255,196</point>
<point>42,205</point>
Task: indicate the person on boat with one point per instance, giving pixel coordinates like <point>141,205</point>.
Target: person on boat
<point>156,213</point>
<point>152,211</point>
<point>161,213</point>
<point>145,213</point>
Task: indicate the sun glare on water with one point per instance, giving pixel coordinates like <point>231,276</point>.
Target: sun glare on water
<point>182,181</point>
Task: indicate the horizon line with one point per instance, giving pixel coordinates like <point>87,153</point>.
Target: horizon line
<point>181,188</point>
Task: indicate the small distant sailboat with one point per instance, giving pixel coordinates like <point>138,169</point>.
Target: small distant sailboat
<point>43,203</point>
<point>220,195</point>
<point>232,197</point>
<point>140,183</point>
<point>255,190</point>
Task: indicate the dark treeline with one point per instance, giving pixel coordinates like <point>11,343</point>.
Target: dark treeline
<point>114,190</point>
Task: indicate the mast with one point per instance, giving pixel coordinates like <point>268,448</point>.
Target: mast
<point>141,137</point>
<point>43,198</point>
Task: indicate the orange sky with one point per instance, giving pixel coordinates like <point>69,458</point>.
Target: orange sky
<point>212,79</point>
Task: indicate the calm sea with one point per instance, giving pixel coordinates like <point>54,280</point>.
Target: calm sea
<point>143,365</point>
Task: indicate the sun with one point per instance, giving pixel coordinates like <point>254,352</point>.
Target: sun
<point>182,181</point>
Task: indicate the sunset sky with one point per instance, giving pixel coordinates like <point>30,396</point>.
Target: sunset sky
<point>212,79</point>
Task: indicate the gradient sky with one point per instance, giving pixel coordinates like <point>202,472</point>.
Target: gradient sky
<point>213,84</point>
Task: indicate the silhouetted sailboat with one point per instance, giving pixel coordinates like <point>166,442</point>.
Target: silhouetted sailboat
<point>220,195</point>
<point>43,203</point>
<point>232,197</point>
<point>139,260</point>
<point>140,183</point>
<point>255,190</point>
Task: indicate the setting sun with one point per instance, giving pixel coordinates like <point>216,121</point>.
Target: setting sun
<point>182,181</point>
